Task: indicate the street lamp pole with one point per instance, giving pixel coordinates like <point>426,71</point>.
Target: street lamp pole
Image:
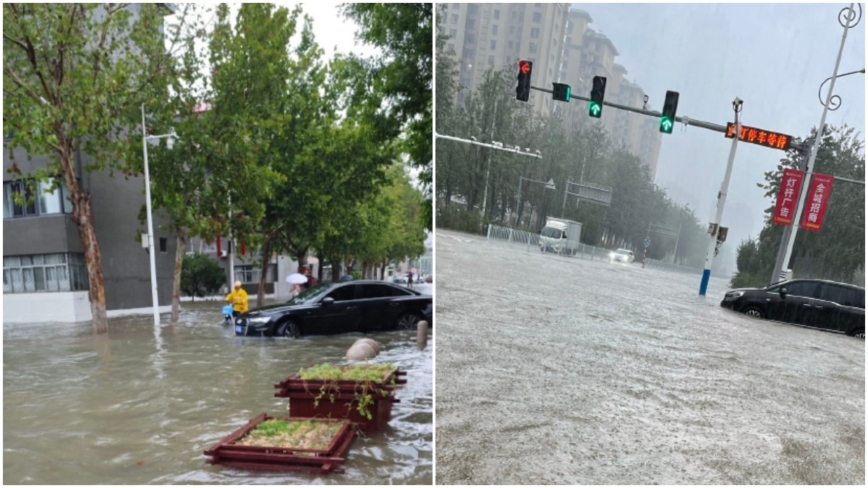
<point>721,201</point>
<point>151,251</point>
<point>849,14</point>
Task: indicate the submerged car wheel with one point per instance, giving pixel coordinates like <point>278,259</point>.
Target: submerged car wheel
<point>754,312</point>
<point>408,321</point>
<point>288,329</point>
<point>859,334</point>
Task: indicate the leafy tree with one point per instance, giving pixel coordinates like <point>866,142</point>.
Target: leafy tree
<point>74,75</point>
<point>404,32</point>
<point>837,252</point>
<point>201,275</point>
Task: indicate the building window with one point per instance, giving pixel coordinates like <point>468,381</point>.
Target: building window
<point>531,47</point>
<point>491,60</point>
<point>534,33</point>
<point>511,44</point>
<point>44,273</point>
<point>454,18</point>
<point>494,29</point>
<point>514,15</point>
<point>537,17</point>
<point>456,6</point>
<point>248,273</point>
<point>47,201</point>
<point>496,14</point>
<point>450,47</point>
<point>472,8</point>
<point>493,45</point>
<point>471,23</point>
<point>164,244</point>
<point>453,33</point>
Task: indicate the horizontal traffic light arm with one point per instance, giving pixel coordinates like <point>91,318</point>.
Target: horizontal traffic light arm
<point>491,146</point>
<point>652,113</point>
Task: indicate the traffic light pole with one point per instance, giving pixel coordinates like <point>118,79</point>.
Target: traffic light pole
<point>652,113</point>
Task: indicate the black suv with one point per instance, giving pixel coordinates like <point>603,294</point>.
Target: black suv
<point>812,303</point>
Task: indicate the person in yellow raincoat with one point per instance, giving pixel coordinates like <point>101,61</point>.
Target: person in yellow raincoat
<point>238,299</point>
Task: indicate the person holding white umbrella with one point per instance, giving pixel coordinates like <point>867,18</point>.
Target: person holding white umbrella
<point>295,280</point>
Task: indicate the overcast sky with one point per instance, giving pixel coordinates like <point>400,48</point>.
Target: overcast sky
<point>772,56</point>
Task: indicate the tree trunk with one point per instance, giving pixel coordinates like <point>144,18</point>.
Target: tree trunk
<point>319,268</point>
<point>383,269</point>
<point>336,270</point>
<point>266,250</point>
<point>180,249</point>
<point>82,217</point>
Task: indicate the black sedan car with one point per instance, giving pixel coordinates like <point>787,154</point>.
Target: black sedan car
<point>811,303</point>
<point>335,308</point>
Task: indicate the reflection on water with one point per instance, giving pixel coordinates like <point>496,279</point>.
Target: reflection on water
<point>140,405</point>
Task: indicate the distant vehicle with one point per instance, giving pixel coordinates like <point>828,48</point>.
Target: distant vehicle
<point>621,256</point>
<point>818,304</point>
<point>401,278</point>
<point>335,308</point>
<point>560,236</point>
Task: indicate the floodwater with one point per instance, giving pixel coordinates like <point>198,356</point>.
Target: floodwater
<point>139,405</point>
<point>553,370</point>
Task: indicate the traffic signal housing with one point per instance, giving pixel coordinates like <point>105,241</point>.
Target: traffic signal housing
<point>561,92</point>
<point>670,106</point>
<point>598,92</point>
<point>525,69</point>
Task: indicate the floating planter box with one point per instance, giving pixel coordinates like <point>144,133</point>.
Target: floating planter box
<point>363,394</point>
<point>285,444</point>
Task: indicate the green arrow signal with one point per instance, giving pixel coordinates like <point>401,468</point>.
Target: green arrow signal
<point>666,124</point>
<point>595,109</point>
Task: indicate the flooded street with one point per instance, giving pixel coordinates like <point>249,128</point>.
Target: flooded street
<point>553,370</point>
<point>139,405</point>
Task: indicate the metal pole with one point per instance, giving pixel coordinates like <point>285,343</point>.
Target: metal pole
<point>488,171</point>
<point>518,205</point>
<point>780,273</point>
<point>721,201</point>
<point>151,251</point>
<point>564,207</point>
<point>677,238</point>
<point>807,181</point>
<point>231,245</point>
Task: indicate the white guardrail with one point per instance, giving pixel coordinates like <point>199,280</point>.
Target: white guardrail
<point>529,242</point>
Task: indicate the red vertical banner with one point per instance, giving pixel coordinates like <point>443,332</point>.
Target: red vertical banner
<point>815,203</point>
<point>788,196</point>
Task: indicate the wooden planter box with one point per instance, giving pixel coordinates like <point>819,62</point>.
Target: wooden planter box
<point>339,399</point>
<point>328,460</point>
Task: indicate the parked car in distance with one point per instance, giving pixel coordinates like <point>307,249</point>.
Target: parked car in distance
<point>819,304</point>
<point>621,256</point>
<point>336,308</point>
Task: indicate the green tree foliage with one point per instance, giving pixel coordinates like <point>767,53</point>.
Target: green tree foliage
<point>837,252</point>
<point>573,149</point>
<point>201,276</point>
<point>75,75</point>
<point>404,32</point>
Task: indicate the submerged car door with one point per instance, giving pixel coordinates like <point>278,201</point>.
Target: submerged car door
<point>797,307</point>
<point>835,308</point>
<point>341,316</point>
<point>375,301</point>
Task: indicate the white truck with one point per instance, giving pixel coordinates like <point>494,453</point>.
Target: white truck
<point>560,236</point>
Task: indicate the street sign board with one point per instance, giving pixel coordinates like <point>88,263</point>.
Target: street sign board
<point>760,137</point>
<point>647,241</point>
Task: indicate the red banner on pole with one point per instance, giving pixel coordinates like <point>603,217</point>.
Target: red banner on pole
<point>785,208</point>
<point>815,203</point>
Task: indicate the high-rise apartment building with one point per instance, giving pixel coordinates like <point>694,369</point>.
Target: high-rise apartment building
<point>497,35</point>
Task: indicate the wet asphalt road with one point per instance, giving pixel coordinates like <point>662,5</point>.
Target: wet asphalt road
<point>568,371</point>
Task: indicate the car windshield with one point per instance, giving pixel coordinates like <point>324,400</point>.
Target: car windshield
<point>622,251</point>
<point>310,295</point>
<point>551,232</point>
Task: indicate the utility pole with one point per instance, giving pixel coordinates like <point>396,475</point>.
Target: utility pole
<point>780,271</point>
<point>488,170</point>
<point>849,15</point>
<point>721,201</point>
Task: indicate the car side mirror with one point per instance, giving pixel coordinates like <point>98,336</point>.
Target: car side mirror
<point>783,293</point>
<point>328,301</point>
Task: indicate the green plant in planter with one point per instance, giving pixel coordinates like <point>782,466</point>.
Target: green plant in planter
<point>365,376</point>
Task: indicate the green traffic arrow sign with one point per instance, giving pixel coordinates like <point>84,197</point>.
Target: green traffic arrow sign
<point>666,124</point>
<point>595,109</point>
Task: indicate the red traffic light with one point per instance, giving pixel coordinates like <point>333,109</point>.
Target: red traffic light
<point>524,66</point>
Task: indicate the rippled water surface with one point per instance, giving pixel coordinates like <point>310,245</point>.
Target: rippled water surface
<point>141,404</point>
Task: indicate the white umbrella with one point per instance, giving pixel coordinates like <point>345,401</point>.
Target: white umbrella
<point>296,279</point>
